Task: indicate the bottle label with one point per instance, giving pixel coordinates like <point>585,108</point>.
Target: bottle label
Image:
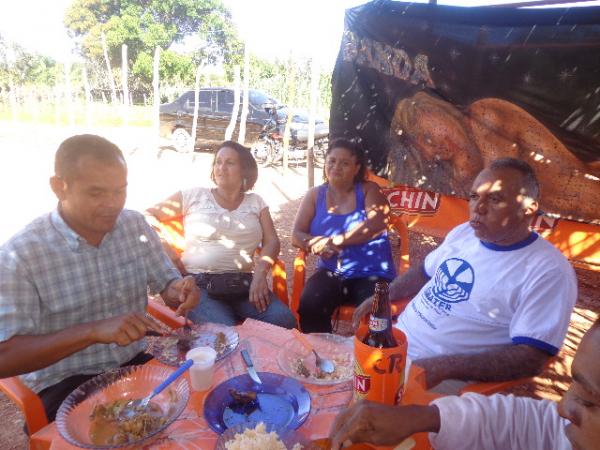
<point>377,324</point>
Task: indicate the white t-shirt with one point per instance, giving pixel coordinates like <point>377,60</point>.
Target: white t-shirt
<point>216,239</point>
<point>498,422</point>
<point>481,295</point>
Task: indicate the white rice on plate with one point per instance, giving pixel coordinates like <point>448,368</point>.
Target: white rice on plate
<point>258,439</point>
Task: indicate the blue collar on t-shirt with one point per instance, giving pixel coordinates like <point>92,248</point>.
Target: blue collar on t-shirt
<point>507,248</point>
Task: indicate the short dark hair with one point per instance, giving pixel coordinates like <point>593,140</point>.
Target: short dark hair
<point>356,151</point>
<point>72,149</point>
<point>247,162</point>
<point>530,182</point>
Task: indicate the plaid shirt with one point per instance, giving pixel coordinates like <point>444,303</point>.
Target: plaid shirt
<point>52,279</point>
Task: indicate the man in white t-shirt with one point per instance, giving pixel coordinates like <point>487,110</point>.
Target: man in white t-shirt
<point>493,301</point>
<point>499,422</point>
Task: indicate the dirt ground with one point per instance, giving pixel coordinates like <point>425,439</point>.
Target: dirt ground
<point>281,191</point>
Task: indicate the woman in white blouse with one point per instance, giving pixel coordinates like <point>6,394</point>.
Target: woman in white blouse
<point>223,228</point>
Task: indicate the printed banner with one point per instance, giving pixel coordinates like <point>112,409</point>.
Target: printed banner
<point>434,93</point>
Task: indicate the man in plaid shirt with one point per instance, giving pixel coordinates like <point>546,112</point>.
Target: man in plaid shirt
<point>74,282</point>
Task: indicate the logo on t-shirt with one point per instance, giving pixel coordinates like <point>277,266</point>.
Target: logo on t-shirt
<point>452,283</point>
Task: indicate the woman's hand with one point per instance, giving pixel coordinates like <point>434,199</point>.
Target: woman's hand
<point>259,292</point>
<point>323,246</point>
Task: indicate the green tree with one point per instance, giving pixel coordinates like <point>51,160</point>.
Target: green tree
<point>26,69</point>
<point>146,24</point>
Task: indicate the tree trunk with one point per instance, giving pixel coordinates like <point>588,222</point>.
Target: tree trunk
<point>13,97</point>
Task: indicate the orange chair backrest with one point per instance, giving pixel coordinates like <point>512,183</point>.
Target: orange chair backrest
<point>435,214</point>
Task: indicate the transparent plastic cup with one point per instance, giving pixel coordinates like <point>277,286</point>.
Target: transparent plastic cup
<point>201,372</point>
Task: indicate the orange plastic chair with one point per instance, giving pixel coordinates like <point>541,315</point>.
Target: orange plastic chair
<point>28,402</point>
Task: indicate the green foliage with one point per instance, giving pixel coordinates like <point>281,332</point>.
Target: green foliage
<point>273,78</point>
<point>24,68</point>
<point>145,24</point>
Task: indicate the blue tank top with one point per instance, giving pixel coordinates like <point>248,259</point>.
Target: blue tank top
<point>373,258</point>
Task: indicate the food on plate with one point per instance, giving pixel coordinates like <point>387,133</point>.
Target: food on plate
<point>220,342</point>
<point>243,397</point>
<point>244,402</point>
<point>109,426</point>
<point>300,368</point>
<point>343,368</point>
<point>172,349</point>
<point>258,439</point>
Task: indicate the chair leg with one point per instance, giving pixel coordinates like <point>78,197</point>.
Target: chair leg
<point>28,402</point>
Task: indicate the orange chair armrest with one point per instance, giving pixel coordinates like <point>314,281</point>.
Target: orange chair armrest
<point>298,280</point>
<point>27,401</point>
<point>415,391</point>
<point>493,387</point>
<point>280,281</point>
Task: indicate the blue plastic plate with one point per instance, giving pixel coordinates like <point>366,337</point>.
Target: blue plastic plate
<point>281,401</point>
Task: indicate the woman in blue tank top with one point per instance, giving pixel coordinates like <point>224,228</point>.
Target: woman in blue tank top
<point>344,222</point>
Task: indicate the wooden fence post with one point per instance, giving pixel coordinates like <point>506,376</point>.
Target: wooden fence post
<point>88,98</point>
<point>69,94</point>
<point>124,85</point>
<point>310,145</point>
<point>111,79</point>
<point>192,142</point>
<point>156,104</point>
<point>290,113</point>
<point>236,104</point>
<point>244,116</point>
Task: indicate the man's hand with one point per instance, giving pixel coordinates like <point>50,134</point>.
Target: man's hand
<point>361,311</point>
<point>123,329</point>
<point>259,292</point>
<point>381,424</point>
<point>185,292</point>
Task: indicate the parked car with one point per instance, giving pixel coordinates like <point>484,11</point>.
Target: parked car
<point>215,106</point>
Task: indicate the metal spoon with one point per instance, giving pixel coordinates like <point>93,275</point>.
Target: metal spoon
<point>133,407</point>
<point>324,365</point>
<point>187,329</point>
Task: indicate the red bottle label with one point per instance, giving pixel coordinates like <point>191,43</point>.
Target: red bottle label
<point>362,383</point>
<point>377,324</point>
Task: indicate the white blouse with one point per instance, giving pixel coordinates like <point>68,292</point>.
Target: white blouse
<point>216,239</point>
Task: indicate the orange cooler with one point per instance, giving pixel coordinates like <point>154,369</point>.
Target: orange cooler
<point>379,372</point>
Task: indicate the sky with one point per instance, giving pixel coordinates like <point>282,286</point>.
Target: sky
<point>272,28</point>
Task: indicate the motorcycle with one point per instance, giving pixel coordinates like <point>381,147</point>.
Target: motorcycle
<point>268,150</point>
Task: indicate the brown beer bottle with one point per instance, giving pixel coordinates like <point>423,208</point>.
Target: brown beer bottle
<point>380,333</point>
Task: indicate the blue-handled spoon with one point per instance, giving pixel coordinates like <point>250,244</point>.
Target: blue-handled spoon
<point>135,406</point>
